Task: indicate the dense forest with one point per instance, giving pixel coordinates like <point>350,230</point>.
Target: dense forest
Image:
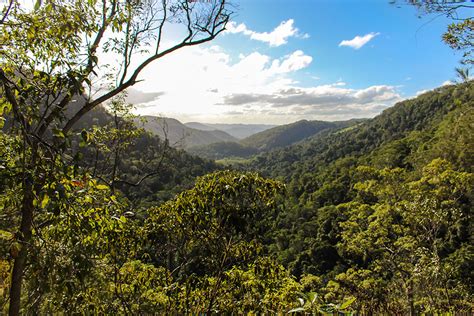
<point>99,216</point>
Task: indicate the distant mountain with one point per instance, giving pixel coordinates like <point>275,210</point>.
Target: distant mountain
<point>285,135</point>
<point>238,131</point>
<point>179,135</point>
<point>200,126</point>
<point>273,138</point>
<point>401,128</point>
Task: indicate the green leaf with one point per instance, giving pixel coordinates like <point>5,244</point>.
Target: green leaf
<point>312,297</point>
<point>5,235</point>
<point>37,4</point>
<point>58,133</point>
<point>101,187</point>
<point>45,201</point>
<point>347,303</point>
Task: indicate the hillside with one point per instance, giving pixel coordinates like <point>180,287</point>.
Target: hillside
<point>273,138</point>
<point>285,135</point>
<point>344,185</point>
<point>238,131</point>
<point>165,170</point>
<point>199,126</point>
<point>393,124</point>
<point>179,135</point>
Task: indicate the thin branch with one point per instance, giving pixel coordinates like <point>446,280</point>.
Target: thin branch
<point>7,12</point>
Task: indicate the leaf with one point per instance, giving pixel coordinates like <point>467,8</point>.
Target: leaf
<point>313,296</point>
<point>37,5</point>
<point>5,235</point>
<point>296,310</point>
<point>58,133</point>
<point>45,201</point>
<point>101,187</point>
<point>301,301</point>
<point>347,303</point>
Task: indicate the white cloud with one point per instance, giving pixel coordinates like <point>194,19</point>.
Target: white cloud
<point>420,92</point>
<point>195,80</point>
<point>206,84</point>
<point>136,96</point>
<point>322,101</point>
<point>358,41</point>
<point>447,83</point>
<point>277,37</point>
<point>296,61</point>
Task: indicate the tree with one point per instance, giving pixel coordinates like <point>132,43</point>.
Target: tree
<point>409,245</point>
<point>53,54</point>
<point>207,237</point>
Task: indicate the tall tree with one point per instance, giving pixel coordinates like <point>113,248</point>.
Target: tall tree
<point>57,52</point>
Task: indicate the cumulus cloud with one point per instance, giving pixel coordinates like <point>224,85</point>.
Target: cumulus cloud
<point>279,36</point>
<point>323,95</point>
<point>358,41</point>
<point>136,96</point>
<point>324,100</point>
<point>207,84</point>
<point>296,61</point>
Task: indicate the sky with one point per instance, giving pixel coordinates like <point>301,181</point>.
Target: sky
<point>280,61</point>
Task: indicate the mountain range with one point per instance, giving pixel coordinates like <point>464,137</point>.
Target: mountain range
<point>179,135</point>
<point>269,139</point>
<point>239,131</point>
<point>217,141</point>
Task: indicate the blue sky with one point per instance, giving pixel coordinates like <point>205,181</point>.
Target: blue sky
<point>281,61</point>
<point>407,47</point>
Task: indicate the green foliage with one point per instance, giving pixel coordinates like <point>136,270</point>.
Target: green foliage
<point>376,212</point>
<point>223,150</point>
<point>460,36</point>
<point>377,218</point>
<point>285,135</point>
<point>404,240</point>
<point>221,219</point>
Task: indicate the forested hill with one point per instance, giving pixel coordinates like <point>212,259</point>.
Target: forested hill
<point>286,135</point>
<point>145,167</point>
<point>391,192</point>
<point>421,114</point>
<point>179,135</point>
<point>269,139</point>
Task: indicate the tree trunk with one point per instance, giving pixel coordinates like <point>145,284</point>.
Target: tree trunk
<point>24,239</point>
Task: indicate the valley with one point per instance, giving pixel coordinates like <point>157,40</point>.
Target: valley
<point>184,157</point>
